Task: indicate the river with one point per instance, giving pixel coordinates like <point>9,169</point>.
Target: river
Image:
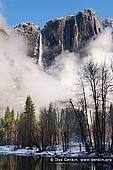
<point>14,162</point>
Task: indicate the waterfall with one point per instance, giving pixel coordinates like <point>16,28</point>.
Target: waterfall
<point>40,62</point>
<point>36,46</point>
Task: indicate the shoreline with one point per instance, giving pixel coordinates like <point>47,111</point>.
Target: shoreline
<point>58,156</point>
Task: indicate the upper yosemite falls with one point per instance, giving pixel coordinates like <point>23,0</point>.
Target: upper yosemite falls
<point>45,63</point>
<point>67,33</point>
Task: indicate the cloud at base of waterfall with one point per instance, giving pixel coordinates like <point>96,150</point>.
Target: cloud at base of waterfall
<point>21,76</point>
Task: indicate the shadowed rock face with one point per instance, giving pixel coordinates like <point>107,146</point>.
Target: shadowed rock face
<point>31,34</point>
<point>108,22</point>
<point>67,33</point>
<point>3,32</point>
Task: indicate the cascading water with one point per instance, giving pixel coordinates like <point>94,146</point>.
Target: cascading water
<point>36,47</point>
<point>40,62</point>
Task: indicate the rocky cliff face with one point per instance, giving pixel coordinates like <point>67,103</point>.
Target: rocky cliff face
<point>67,33</point>
<point>31,33</point>
<point>108,22</point>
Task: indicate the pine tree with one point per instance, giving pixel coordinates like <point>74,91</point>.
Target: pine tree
<point>1,131</point>
<point>17,140</point>
<point>28,123</point>
<point>7,125</point>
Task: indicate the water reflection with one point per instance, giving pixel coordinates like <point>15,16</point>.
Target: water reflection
<point>13,162</point>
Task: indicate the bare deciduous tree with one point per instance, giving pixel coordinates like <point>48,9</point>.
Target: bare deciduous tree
<point>99,80</point>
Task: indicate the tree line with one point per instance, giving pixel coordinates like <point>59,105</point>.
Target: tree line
<point>87,119</point>
<point>52,127</point>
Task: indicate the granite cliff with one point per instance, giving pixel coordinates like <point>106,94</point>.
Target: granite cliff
<point>108,22</point>
<point>31,33</point>
<point>67,33</point>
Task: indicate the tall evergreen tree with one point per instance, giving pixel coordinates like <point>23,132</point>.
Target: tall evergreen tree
<point>7,125</point>
<point>27,123</point>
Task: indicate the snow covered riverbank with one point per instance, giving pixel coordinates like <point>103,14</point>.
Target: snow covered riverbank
<point>74,152</point>
<point>11,149</point>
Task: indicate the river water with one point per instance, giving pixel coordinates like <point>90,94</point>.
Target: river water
<point>14,162</point>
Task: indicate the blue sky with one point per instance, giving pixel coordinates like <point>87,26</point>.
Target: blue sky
<point>41,11</point>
